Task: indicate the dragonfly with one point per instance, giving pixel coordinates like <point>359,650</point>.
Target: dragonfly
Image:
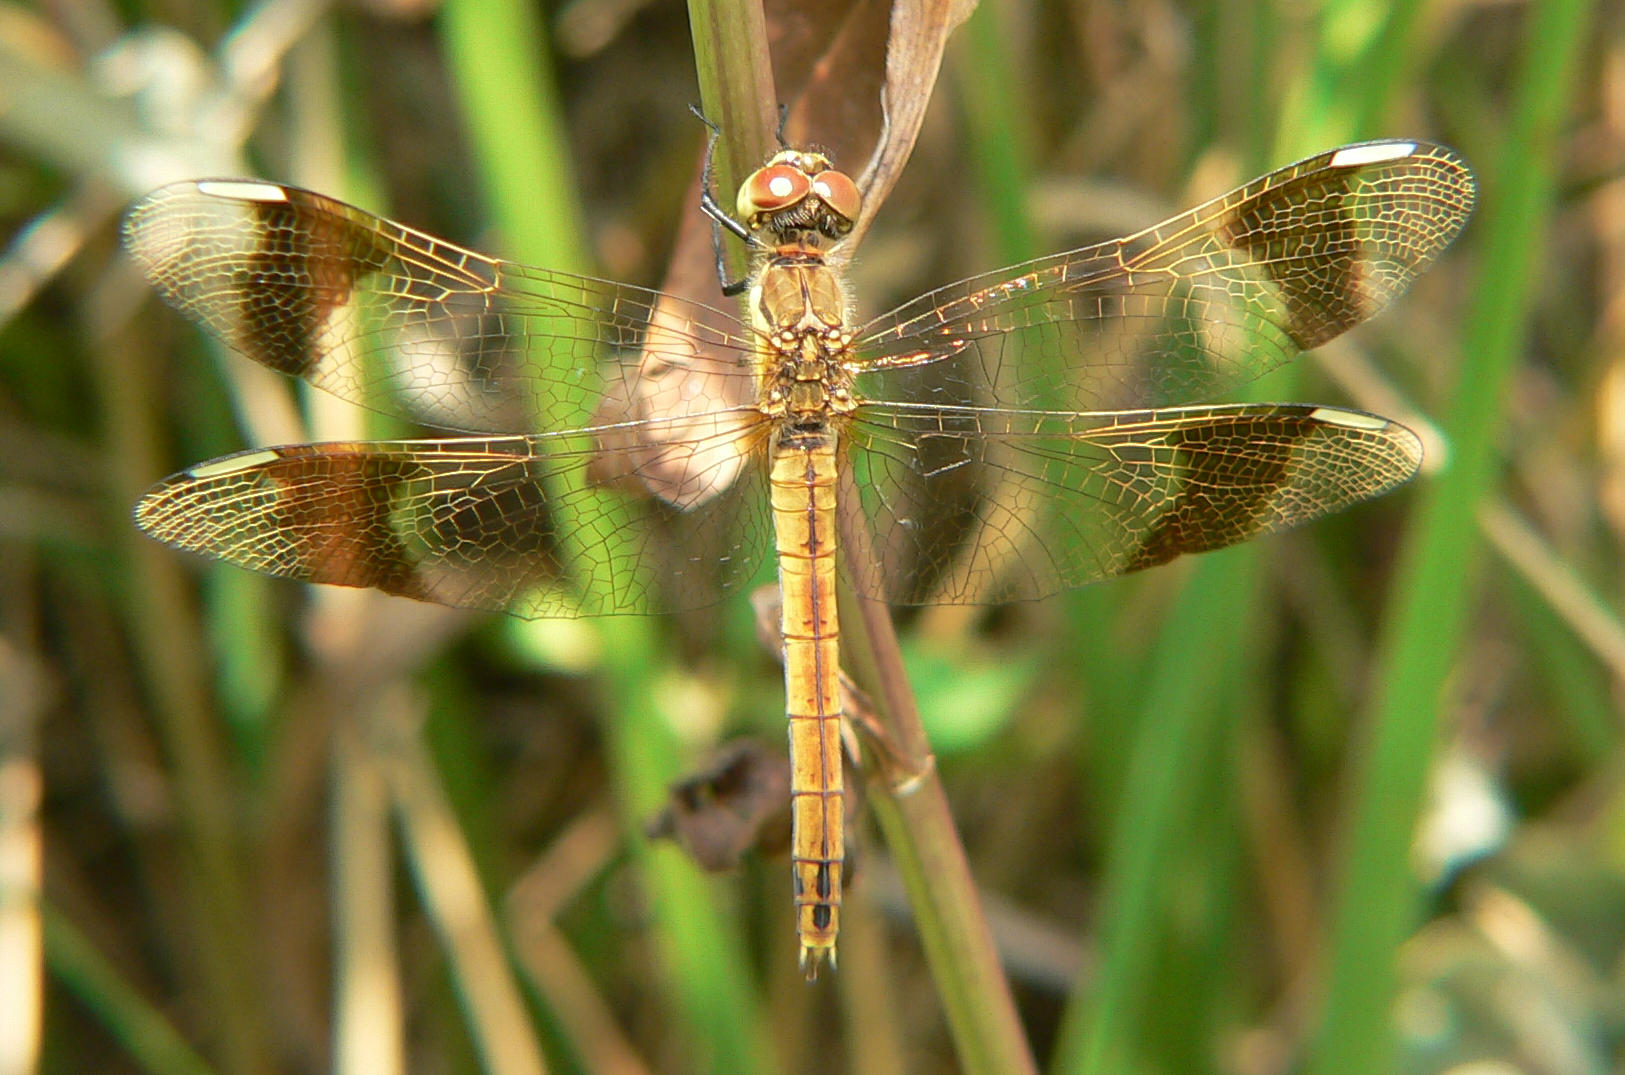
<point>619,449</point>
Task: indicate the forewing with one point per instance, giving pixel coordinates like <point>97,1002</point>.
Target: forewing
<point>1186,310</point>
<point>974,506</point>
<point>401,322</point>
<point>511,524</point>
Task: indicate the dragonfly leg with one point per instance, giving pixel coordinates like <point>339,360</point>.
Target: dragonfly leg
<point>713,209</point>
<point>784,120</point>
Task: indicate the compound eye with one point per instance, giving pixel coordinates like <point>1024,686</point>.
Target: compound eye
<point>839,193</point>
<point>770,189</point>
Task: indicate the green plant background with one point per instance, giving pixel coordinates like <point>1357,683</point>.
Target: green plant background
<point>1345,800</point>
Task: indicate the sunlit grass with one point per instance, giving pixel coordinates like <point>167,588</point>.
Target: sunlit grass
<point>1199,783</point>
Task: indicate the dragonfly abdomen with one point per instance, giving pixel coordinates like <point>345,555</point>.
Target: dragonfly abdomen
<point>803,498</point>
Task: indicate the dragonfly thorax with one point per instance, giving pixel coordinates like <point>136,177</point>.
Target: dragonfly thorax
<point>807,377</point>
<point>801,310</point>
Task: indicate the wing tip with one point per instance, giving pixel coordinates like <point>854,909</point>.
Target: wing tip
<point>1400,436</point>
<point>241,190</point>
<point>1365,153</point>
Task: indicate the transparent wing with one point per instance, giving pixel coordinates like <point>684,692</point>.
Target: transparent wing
<point>512,524</point>
<point>971,506</point>
<point>404,323</point>
<point>958,490</point>
<point>401,322</point>
<point>1186,310</point>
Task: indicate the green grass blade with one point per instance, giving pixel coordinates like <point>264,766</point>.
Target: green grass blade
<point>1176,728</point>
<point>499,65</point>
<point>497,52</point>
<point>1433,589</point>
<point>1363,52</point>
<point>140,1027</point>
<point>706,966</point>
<point>986,85</point>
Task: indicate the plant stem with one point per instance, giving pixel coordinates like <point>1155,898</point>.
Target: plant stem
<point>912,809</point>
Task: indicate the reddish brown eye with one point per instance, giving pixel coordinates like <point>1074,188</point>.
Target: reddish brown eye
<point>839,193</point>
<point>771,189</point>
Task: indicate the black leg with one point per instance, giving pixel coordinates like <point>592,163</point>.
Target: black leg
<point>719,216</point>
<point>784,118</point>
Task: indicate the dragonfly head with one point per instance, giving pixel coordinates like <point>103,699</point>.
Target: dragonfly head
<point>799,195</point>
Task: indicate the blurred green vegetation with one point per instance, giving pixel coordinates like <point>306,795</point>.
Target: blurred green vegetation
<point>1346,799</point>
